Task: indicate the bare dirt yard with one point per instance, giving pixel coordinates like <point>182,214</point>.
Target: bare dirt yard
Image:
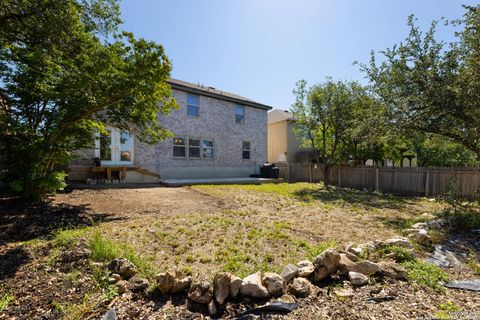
<point>53,255</point>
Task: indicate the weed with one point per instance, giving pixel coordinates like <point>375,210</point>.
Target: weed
<point>60,307</point>
<point>401,254</point>
<point>102,249</point>
<point>73,276</point>
<point>425,274</point>
<point>4,301</point>
<point>314,250</point>
<point>446,310</point>
<point>68,237</point>
<point>473,263</point>
<point>187,270</point>
<point>190,259</point>
<point>105,250</point>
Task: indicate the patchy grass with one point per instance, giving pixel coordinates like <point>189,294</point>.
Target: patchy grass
<point>5,300</point>
<point>103,249</point>
<point>400,254</point>
<point>425,274</point>
<point>68,237</point>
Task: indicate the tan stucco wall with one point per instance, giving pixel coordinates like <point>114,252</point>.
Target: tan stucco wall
<point>283,143</point>
<point>277,142</point>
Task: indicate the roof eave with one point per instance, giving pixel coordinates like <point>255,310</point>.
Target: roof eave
<point>219,96</point>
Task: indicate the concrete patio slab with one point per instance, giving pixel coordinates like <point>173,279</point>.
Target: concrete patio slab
<point>238,180</point>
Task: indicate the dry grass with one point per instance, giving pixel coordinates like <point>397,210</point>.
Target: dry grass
<point>243,228</point>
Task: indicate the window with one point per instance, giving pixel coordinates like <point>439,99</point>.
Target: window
<point>245,150</point>
<point>179,147</point>
<point>207,149</point>
<point>239,114</point>
<point>106,145</point>
<point>194,148</point>
<point>192,105</point>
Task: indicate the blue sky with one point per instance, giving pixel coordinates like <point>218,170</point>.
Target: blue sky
<point>260,48</point>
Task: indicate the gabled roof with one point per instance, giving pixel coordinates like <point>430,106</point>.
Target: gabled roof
<point>280,115</point>
<point>214,93</point>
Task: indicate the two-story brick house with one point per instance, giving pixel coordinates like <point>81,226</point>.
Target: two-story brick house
<point>216,134</point>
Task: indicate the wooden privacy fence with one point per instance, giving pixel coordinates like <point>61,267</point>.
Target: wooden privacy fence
<point>414,181</point>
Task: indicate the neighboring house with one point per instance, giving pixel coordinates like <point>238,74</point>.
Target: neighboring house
<point>216,134</point>
<point>284,146</point>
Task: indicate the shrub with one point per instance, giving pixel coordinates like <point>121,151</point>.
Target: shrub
<point>425,274</point>
<point>459,213</point>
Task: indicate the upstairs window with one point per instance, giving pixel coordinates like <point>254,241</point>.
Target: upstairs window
<point>194,148</point>
<point>192,105</point>
<point>239,114</point>
<point>207,149</point>
<point>245,150</point>
<point>179,147</point>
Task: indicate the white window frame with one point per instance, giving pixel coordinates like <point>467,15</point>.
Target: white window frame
<point>208,148</point>
<point>237,114</point>
<point>199,147</point>
<point>249,150</point>
<point>192,105</point>
<point>184,145</point>
<point>187,147</point>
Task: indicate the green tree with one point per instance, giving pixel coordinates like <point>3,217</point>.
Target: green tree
<point>365,137</point>
<point>323,116</point>
<point>437,151</point>
<point>431,87</point>
<point>65,72</point>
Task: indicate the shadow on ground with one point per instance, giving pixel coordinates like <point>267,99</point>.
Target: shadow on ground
<point>22,221</point>
<point>351,196</point>
<point>11,260</point>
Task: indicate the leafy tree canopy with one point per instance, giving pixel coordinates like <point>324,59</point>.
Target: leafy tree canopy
<point>66,71</point>
<point>429,86</point>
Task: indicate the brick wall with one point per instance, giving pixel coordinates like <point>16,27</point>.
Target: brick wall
<point>216,121</point>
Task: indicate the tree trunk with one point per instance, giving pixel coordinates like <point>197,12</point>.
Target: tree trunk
<point>326,174</point>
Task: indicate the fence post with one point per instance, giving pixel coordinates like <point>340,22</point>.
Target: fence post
<point>377,187</point>
<point>311,174</point>
<point>339,176</point>
<point>427,182</point>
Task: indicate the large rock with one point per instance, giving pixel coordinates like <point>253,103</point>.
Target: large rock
<point>274,283</point>
<point>392,270</point>
<point>252,286</point>
<point>345,265</point>
<point>122,286</point>
<point>366,267</point>
<point>305,268</point>
<point>420,225</point>
<point>212,308</point>
<point>398,241</point>
<point>181,284</point>
<point>437,223</point>
<point>326,263</point>
<point>289,273</point>
<point>235,285</point>
<point>421,237</point>
<point>221,287</point>
<point>123,267</point>
<point>300,287</point>
<point>137,284</point>
<point>200,292</point>
<point>357,278</point>
<point>165,281</point>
